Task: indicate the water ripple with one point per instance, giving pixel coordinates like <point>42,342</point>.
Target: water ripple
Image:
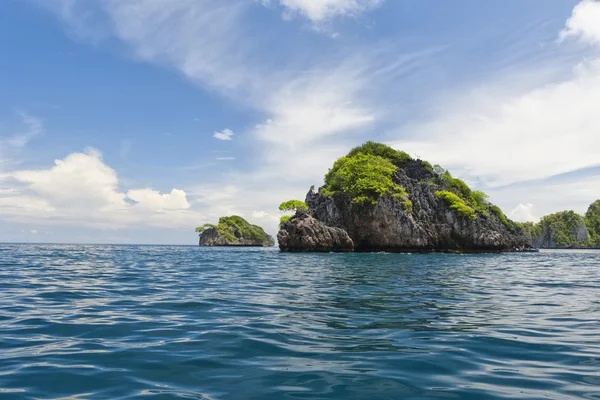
<point>158,322</point>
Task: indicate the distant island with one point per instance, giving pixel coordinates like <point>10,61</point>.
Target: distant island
<point>234,231</point>
<point>379,199</point>
<point>567,229</point>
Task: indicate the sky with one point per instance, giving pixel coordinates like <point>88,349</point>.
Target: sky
<point>134,121</point>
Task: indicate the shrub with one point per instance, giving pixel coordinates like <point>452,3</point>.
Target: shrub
<point>284,219</point>
<point>364,177</point>
<point>496,210</point>
<point>293,205</point>
<point>479,200</point>
<point>457,204</point>
<point>205,227</point>
<point>381,150</point>
<point>408,206</point>
<point>428,166</point>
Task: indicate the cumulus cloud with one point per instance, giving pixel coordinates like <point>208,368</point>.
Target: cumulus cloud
<point>524,213</point>
<point>584,24</point>
<point>82,190</point>
<point>225,134</point>
<point>322,10</point>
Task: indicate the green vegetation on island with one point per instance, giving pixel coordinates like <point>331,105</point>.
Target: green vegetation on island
<point>457,204</point>
<point>291,206</point>
<point>366,173</point>
<point>233,230</point>
<point>592,223</point>
<point>566,229</point>
<point>376,198</point>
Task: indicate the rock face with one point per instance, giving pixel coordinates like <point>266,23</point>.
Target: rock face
<point>308,234</point>
<point>429,224</point>
<point>234,231</point>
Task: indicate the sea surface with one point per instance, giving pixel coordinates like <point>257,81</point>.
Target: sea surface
<point>161,322</point>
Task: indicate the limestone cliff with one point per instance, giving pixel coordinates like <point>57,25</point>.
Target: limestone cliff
<point>419,209</point>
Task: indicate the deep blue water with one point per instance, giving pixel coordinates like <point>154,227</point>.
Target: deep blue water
<point>122,322</point>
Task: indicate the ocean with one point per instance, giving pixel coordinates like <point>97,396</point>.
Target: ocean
<point>162,322</point>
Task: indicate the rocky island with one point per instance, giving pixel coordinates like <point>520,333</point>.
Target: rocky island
<point>567,230</point>
<point>379,199</point>
<point>234,231</point>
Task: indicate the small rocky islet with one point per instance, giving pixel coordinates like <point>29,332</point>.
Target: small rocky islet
<point>377,198</point>
<point>234,231</point>
<point>567,230</point>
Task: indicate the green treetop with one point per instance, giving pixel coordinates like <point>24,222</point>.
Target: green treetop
<point>291,206</point>
<point>235,227</point>
<point>563,226</point>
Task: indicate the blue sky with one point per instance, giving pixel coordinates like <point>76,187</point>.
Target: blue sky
<point>134,121</point>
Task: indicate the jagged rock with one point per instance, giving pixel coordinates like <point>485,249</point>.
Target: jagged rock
<point>427,224</point>
<point>305,233</point>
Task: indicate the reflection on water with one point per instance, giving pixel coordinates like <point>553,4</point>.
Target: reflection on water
<point>185,322</point>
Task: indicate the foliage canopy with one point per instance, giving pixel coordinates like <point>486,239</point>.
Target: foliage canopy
<point>563,226</point>
<point>293,205</point>
<point>378,149</point>
<point>457,204</point>
<point>235,227</point>
<point>592,222</point>
<point>364,177</point>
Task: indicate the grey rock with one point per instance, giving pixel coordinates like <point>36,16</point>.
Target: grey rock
<point>304,233</point>
<point>386,226</point>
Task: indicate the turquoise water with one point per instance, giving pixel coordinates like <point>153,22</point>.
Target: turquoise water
<point>123,322</point>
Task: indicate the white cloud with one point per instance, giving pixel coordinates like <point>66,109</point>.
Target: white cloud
<point>225,134</point>
<point>153,200</point>
<point>15,142</point>
<point>500,135</point>
<point>225,158</point>
<point>323,10</point>
<point>524,213</point>
<point>200,37</point>
<point>82,190</point>
<point>584,24</point>
<point>34,126</point>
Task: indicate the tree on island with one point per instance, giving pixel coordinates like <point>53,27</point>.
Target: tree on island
<point>292,206</point>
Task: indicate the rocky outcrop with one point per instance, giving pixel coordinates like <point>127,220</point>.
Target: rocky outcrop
<point>421,222</point>
<point>234,231</point>
<point>306,234</point>
<point>212,238</point>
